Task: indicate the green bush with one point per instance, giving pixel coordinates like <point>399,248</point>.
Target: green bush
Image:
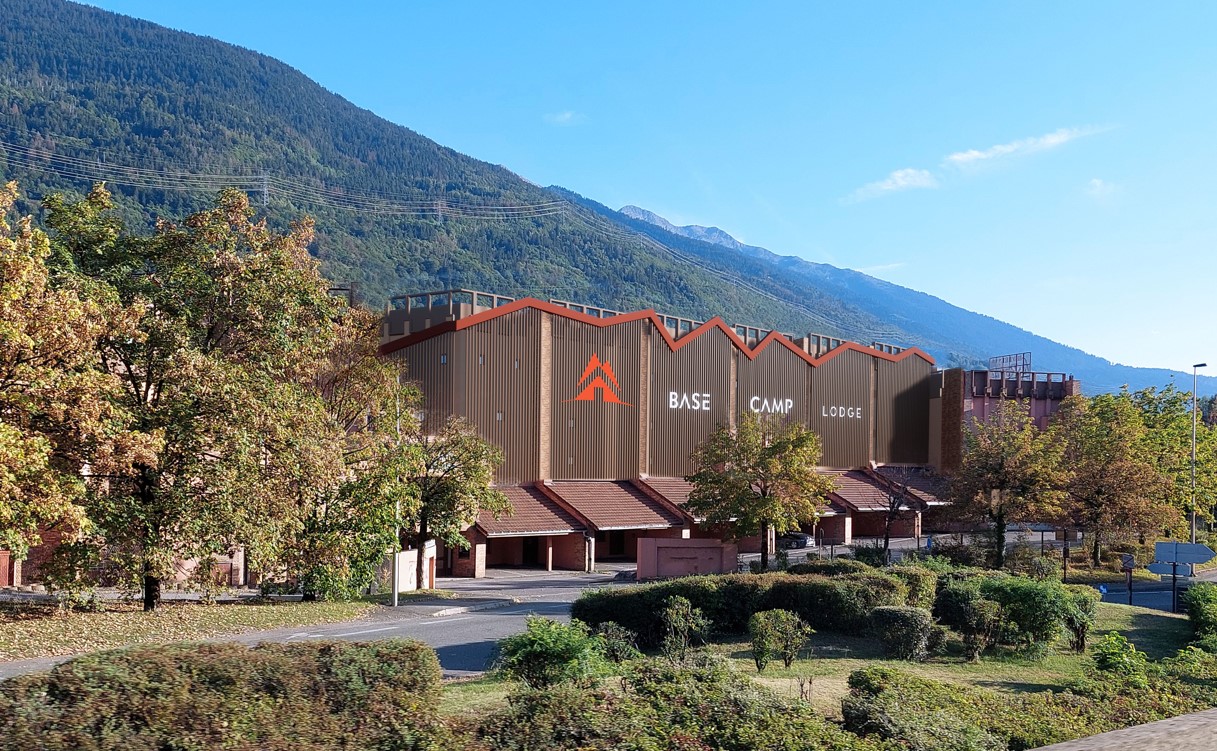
<point>1201,602</point>
<point>1113,653</point>
<point>700,704</point>
<point>1032,612</point>
<point>926,715</point>
<point>620,644</point>
<point>1079,614</point>
<point>312,696</point>
<point>777,633</point>
<point>922,584</point>
<point>549,652</point>
<point>961,606</point>
<point>834,567</point>
<point>683,625</point>
<point>841,603</point>
<point>904,631</point>
<point>872,555</point>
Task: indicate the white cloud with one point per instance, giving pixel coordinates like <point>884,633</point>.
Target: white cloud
<point>1099,188</point>
<point>1020,147</point>
<point>564,118</point>
<point>901,179</point>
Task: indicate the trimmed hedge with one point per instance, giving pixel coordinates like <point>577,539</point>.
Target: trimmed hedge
<point>832,604</point>
<point>904,631</point>
<point>835,567</point>
<point>276,697</point>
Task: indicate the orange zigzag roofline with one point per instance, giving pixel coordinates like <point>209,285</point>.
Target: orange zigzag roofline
<point>641,315</point>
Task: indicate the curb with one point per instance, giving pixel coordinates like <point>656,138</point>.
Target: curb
<point>474,608</point>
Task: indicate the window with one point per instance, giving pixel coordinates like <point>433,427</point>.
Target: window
<point>443,359</point>
<point>462,552</point>
<point>498,416</point>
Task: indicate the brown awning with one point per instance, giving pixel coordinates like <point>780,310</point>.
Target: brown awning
<point>858,491</point>
<point>616,505</point>
<point>923,484</point>
<point>532,514</point>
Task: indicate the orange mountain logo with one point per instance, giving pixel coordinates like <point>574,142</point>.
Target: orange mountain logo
<point>598,371</point>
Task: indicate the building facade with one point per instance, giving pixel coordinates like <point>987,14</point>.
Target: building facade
<point>598,413</point>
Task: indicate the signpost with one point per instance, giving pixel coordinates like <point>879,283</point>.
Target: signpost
<point>1127,564</point>
<point>1170,555</point>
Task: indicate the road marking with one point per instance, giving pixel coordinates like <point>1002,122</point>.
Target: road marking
<point>366,631</point>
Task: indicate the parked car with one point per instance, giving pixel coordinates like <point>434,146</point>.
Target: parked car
<point>792,540</point>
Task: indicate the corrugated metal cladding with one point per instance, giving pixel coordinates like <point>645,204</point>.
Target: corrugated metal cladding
<point>690,396</point>
<point>502,388</point>
<point>841,409</point>
<point>434,366</point>
<point>776,382</point>
<point>595,422</point>
<point>902,411</point>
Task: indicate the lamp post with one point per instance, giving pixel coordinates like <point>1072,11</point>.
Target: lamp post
<point>1195,367</point>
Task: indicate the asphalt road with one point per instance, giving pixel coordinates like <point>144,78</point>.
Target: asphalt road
<point>464,642</point>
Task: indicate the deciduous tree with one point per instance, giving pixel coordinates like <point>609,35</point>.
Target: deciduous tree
<point>1010,472</point>
<point>452,485</point>
<point>1113,486</point>
<point>235,316</point>
<point>760,475</point>
<point>56,418</point>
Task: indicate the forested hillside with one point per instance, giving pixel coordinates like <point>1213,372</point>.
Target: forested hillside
<point>169,118</point>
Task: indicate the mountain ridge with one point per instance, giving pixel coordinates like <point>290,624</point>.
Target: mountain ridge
<point>396,212</point>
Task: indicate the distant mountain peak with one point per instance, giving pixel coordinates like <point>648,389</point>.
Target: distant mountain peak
<point>691,231</point>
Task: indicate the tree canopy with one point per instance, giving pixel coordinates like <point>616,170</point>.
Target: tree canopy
<point>1010,472</point>
<point>759,475</point>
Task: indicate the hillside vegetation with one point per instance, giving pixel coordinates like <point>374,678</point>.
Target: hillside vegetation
<point>169,118</point>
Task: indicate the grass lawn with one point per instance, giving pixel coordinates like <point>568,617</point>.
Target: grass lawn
<point>31,631</point>
<point>1085,575</point>
<point>473,696</point>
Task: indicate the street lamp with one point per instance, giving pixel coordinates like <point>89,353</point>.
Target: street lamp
<point>1195,367</point>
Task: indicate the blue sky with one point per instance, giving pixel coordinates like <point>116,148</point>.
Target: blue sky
<point>1053,165</point>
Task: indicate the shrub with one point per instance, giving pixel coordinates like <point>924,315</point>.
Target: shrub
<point>1079,614</point>
<point>968,554</point>
<point>1032,611</point>
<point>838,604</point>
<point>1201,603</point>
<point>699,704</point>
<point>619,643</point>
<point>312,696</point>
<point>1113,653</point>
<point>962,606</point>
<point>904,631</point>
<point>777,633</point>
<point>549,652</point>
<point>835,567</point>
<point>683,625</point>
<point>922,584</point>
<point>926,715</point>
<point>872,555</point>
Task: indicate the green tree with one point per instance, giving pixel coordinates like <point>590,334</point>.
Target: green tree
<point>1168,421</point>
<point>1010,472</point>
<point>451,486</point>
<point>760,475</point>
<point>1114,489</point>
<point>234,316</point>
<point>55,413</point>
<point>350,453</point>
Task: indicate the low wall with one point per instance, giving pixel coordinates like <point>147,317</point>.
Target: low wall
<point>661,558</point>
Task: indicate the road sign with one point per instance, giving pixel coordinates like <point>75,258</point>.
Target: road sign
<point>1127,563</point>
<point>1182,569</point>
<point>1183,552</point>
